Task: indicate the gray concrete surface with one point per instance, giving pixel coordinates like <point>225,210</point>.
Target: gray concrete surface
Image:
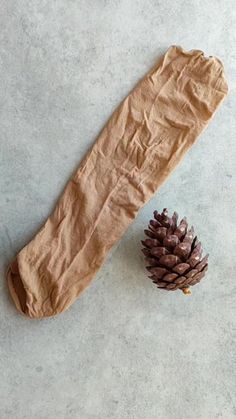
<point>124,350</point>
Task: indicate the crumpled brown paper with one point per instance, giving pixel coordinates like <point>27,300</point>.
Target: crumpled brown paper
<point>139,147</point>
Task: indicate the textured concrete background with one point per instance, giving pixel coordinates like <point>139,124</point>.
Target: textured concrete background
<point>124,350</point>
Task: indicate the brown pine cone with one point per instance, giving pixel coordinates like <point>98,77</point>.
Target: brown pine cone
<point>173,253</point>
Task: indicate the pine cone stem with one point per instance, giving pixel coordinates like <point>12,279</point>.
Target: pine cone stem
<point>186,291</point>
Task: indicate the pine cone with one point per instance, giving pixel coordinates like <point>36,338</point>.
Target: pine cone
<point>173,253</point>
